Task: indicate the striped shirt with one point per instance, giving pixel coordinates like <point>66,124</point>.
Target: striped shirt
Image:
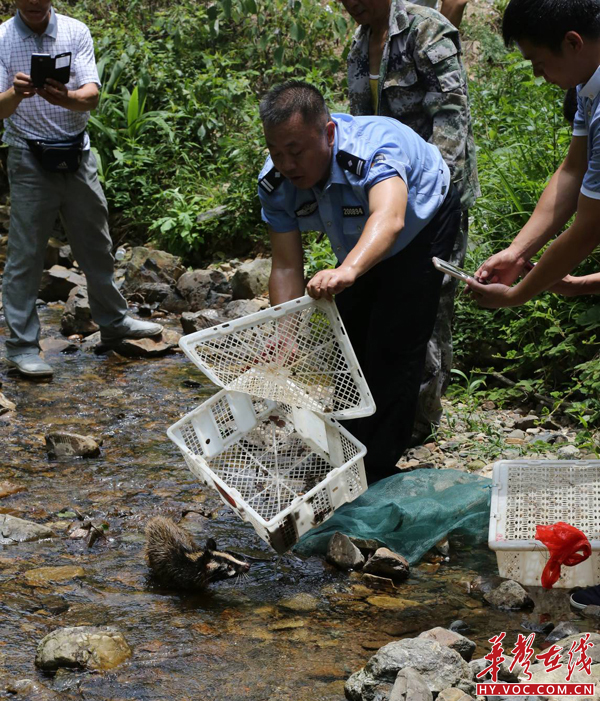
<point>35,118</point>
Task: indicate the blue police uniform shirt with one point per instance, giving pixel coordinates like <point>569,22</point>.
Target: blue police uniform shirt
<point>366,151</point>
<point>587,123</point>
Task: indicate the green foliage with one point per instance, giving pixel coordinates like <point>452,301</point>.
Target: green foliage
<point>177,133</point>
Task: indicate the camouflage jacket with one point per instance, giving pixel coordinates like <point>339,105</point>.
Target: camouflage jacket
<point>422,83</point>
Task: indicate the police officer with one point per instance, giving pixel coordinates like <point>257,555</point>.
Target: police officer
<point>42,186</point>
<point>384,198</point>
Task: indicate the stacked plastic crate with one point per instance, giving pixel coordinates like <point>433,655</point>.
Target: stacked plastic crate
<point>270,442</point>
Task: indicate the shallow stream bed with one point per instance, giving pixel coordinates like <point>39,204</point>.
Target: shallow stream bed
<point>234,642</point>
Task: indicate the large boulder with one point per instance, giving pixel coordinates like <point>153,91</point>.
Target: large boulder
<point>82,647</point>
<point>439,667</point>
<point>386,563</point>
<point>147,265</point>
<point>409,686</point>
<point>251,279</point>
<point>58,282</point>
<point>509,596</point>
<point>203,289</point>
<point>451,639</point>
<point>77,316</point>
<point>342,553</point>
<point>198,321</point>
<point>163,296</point>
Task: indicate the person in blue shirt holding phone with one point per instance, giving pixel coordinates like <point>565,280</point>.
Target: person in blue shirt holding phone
<point>384,198</point>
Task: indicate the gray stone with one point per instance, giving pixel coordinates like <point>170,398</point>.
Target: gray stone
<point>562,630</point>
<point>590,612</point>
<point>57,345</point>
<point>505,674</point>
<point>517,433</point>
<point>551,425</point>
<point>17,530</point>
<point>146,265</point>
<point>58,282</point>
<point>386,563</point>
<point>203,289</point>
<point>300,602</point>
<point>77,316</point>
<point>82,647</point>
<point>251,279</point>
<point>62,444</point>
<point>155,347</point>
<point>6,405</point>
<point>204,319</point>
<point>550,438</point>
<point>409,686</point>
<point>342,553</point>
<point>509,596</point>
<point>438,666</point>
<point>454,641</point>
<point>593,652</point>
<point>526,422</point>
<point>454,694</point>
<point>242,307</point>
<point>468,686</point>
<point>568,452</point>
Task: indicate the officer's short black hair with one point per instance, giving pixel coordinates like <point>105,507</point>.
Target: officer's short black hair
<point>290,98</point>
<point>545,22</point>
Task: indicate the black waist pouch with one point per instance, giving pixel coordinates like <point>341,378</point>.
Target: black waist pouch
<point>58,156</point>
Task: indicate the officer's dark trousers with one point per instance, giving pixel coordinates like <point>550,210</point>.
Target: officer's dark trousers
<point>389,314</point>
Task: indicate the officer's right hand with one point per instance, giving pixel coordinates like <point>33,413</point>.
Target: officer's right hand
<point>327,283</point>
<point>503,267</point>
<point>23,86</point>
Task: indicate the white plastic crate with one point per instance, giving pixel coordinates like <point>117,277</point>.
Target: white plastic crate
<point>296,353</point>
<point>528,493</point>
<point>283,469</point>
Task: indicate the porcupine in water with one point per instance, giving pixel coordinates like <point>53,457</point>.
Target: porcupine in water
<point>176,562</point>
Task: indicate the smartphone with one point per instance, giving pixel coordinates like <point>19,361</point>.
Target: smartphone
<point>43,66</point>
<point>451,270</point>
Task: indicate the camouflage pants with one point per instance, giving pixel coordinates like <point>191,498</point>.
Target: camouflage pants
<point>438,364</point>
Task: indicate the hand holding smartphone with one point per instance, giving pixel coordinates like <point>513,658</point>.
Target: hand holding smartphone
<point>43,66</point>
<point>452,270</point>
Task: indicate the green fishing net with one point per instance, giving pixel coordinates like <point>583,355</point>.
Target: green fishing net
<point>411,512</point>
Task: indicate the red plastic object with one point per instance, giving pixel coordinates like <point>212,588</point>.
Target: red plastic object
<point>567,545</point>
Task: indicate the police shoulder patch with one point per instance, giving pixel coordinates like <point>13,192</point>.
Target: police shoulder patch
<point>350,162</point>
<point>271,181</point>
<point>307,209</point>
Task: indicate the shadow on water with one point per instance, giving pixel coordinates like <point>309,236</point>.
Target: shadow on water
<point>231,643</point>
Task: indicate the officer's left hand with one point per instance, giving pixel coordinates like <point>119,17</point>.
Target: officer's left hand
<point>493,296</point>
<point>327,283</point>
<point>54,92</point>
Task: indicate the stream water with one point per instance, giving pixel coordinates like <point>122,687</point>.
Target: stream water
<point>233,642</point>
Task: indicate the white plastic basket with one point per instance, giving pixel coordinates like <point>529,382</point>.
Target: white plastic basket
<point>528,493</point>
<point>283,469</point>
<point>297,353</point>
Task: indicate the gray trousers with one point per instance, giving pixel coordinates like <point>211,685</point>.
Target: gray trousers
<point>37,197</point>
<point>438,363</point>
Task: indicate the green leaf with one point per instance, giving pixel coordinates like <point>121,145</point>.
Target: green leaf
<point>278,56</point>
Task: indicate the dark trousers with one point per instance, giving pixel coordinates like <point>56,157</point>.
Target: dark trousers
<point>389,314</point>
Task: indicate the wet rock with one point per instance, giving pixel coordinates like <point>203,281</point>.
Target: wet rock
<point>198,321</point>
<point>7,489</point>
<point>204,289</point>
<point>146,265</point>
<point>568,452</point>
<point>242,307</point>
<point>251,279</point>
<point>77,316</point>
<point>44,575</point>
<point>454,695</point>
<point>385,563</point>
<point>342,553</point>
<point>6,405</point>
<point>590,612</point>
<point>155,347</point>
<point>63,444</point>
<point>505,674</point>
<point>526,422</point>
<point>58,282</point>
<point>300,602</point>
<point>454,641</point>
<point>438,666</point>
<point>17,530</point>
<point>83,647</point>
<point>409,686</point>
<point>562,630</point>
<point>162,295</point>
<point>58,345</point>
<point>468,686</point>
<point>509,596</point>
<point>33,691</point>
<point>367,546</point>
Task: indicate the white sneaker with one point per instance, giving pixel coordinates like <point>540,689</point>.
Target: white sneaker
<point>30,365</point>
<point>130,328</point>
